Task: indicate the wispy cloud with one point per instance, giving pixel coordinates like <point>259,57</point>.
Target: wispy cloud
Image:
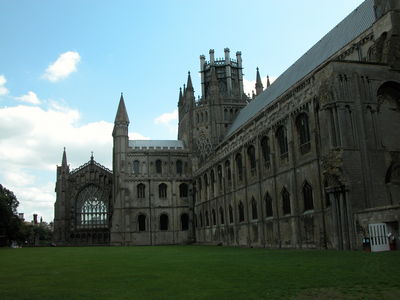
<point>30,97</point>
<point>65,64</point>
<point>3,89</point>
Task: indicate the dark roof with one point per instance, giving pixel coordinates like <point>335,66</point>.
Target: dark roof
<point>352,26</point>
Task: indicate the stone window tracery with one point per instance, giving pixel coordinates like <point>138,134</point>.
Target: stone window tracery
<point>303,132</point>
<point>92,208</point>
<point>281,136</point>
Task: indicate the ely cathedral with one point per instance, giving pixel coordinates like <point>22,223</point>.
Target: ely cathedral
<point>310,161</point>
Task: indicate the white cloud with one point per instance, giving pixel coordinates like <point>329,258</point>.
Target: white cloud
<point>249,85</point>
<point>64,65</point>
<point>30,97</point>
<point>166,118</point>
<point>169,120</point>
<point>3,89</point>
<point>31,144</point>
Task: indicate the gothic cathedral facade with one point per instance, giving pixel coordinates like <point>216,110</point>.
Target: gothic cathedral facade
<point>311,161</point>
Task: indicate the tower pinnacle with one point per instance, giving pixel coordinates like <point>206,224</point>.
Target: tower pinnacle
<point>122,115</point>
<point>259,85</point>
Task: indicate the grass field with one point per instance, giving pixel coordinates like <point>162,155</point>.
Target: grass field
<point>196,272</point>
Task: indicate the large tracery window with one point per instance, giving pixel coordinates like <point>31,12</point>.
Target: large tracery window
<point>304,133</point>
<point>281,136</point>
<point>92,208</point>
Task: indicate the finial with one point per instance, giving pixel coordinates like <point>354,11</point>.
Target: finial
<point>91,157</point>
<point>189,73</point>
<point>257,69</point>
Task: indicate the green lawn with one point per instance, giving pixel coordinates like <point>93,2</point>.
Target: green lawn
<point>196,272</point>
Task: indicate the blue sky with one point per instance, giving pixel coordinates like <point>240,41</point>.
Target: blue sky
<point>63,65</point>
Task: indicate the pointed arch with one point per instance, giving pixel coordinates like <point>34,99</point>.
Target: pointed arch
<point>241,211</point>
<point>285,201</point>
<point>254,212</point>
<point>281,136</point>
<point>303,132</point>
<point>221,215</point>
<point>307,196</point>
<point>268,205</point>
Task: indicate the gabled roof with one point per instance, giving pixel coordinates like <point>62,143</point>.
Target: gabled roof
<point>156,144</point>
<point>352,26</point>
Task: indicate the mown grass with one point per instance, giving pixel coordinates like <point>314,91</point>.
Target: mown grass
<point>196,272</point>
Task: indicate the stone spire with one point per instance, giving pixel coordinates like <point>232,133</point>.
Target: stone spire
<point>189,85</point>
<point>268,84</point>
<point>64,159</point>
<point>122,115</point>
<point>180,97</point>
<point>259,85</point>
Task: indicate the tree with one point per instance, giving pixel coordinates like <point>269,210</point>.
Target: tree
<point>10,224</point>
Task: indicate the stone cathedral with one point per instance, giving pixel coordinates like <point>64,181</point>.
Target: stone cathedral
<point>310,161</point>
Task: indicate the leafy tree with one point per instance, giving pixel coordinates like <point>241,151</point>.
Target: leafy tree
<point>10,224</point>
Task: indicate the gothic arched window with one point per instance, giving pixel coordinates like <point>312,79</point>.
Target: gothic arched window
<point>142,222</point>
<point>239,166</point>
<point>254,212</point>
<point>207,219</point>
<point>228,171</point>
<point>183,190</point>
<point>162,190</point>
<point>268,205</point>
<point>241,211</point>
<point>179,167</point>
<point>92,208</point>
<point>221,215</point>
<point>206,186</point>
<point>184,221</point>
<point>141,190</point>
<point>251,154</point>
<point>201,220</point>
<point>265,150</point>
<point>212,179</point>
<point>286,202</point>
<point>282,141</point>
<point>164,222</point>
<point>308,196</point>
<point>303,132</point>
<point>230,214</point>
<point>214,217</point>
<point>136,167</point>
<point>158,166</point>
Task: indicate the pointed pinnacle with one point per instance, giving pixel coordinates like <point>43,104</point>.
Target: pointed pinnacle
<point>122,115</point>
